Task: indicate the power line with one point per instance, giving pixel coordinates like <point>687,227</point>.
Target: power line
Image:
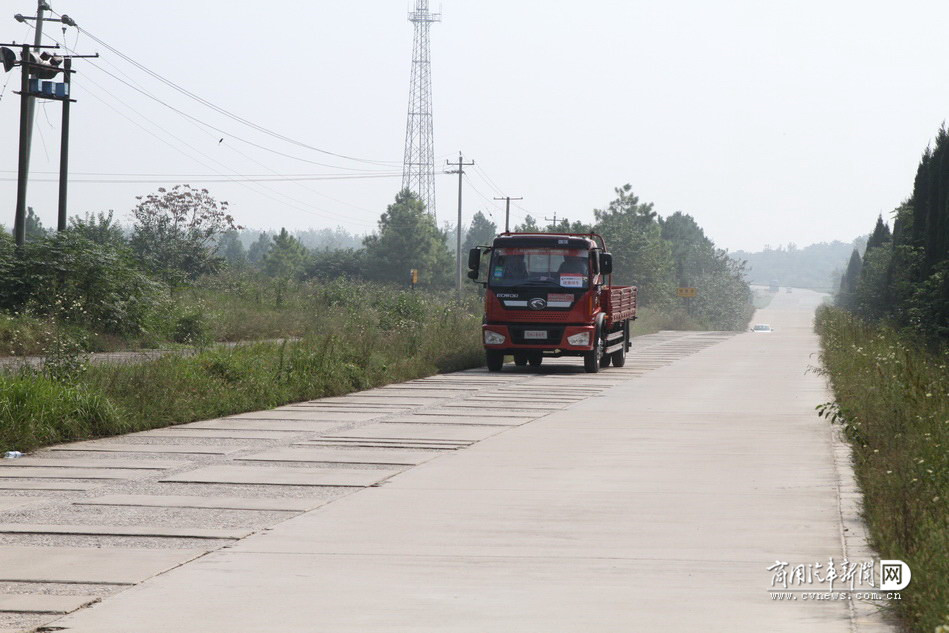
<point>132,84</point>
<point>197,123</point>
<point>199,179</point>
<point>260,190</point>
<point>193,175</point>
<point>224,111</point>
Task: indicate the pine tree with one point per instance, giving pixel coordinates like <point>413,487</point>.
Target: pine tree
<point>408,238</point>
<point>848,283</point>
<point>880,236</point>
<point>481,232</point>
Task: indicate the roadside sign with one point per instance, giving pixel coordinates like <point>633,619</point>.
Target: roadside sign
<point>687,292</point>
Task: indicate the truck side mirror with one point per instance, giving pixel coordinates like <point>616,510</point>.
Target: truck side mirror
<point>474,261</point>
<point>606,263</point>
<point>473,275</point>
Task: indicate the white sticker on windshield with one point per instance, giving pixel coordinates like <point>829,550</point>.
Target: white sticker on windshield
<point>571,281</point>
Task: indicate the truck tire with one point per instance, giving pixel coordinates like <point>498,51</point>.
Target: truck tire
<point>619,356</point>
<point>592,360</point>
<point>535,359</point>
<point>605,360</point>
<point>520,359</point>
<point>494,359</point>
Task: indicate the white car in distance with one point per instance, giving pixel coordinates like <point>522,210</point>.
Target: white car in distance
<point>762,328</point>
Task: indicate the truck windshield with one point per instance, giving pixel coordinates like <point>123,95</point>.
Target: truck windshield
<point>567,268</point>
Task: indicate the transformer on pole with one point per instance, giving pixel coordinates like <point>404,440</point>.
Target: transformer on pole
<point>418,170</point>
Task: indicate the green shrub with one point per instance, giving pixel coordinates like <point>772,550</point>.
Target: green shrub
<point>70,278</point>
<point>892,398</point>
<point>36,411</point>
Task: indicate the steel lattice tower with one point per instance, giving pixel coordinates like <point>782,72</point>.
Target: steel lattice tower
<point>418,170</point>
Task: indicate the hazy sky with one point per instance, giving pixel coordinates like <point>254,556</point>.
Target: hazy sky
<point>770,122</point>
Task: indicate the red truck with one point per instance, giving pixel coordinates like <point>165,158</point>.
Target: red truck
<point>551,295</point>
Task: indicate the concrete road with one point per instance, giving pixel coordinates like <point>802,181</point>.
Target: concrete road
<point>652,498</point>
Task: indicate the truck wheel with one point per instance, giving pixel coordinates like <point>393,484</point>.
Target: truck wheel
<point>592,359</point>
<point>495,359</point>
<point>605,360</point>
<point>535,359</point>
<point>619,356</point>
<point>520,359</point>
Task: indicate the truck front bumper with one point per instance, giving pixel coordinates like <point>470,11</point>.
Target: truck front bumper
<point>519,336</point>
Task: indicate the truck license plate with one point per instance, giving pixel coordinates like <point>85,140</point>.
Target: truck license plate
<point>535,334</point>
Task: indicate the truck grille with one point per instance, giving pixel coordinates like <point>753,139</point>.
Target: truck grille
<point>548,316</point>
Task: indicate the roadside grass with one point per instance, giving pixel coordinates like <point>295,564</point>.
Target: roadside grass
<point>362,338</point>
<point>892,398</point>
<point>36,410</point>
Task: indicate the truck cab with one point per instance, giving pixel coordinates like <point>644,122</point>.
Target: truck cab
<point>547,295</point>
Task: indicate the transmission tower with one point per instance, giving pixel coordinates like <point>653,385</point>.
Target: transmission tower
<point>418,170</point>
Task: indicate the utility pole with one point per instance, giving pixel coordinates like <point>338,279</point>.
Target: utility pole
<point>41,7</point>
<point>64,148</point>
<point>461,172</point>
<point>34,68</point>
<point>23,162</point>
<point>553,221</point>
<point>507,212</point>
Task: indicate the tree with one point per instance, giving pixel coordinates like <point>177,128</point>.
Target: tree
<point>34,226</point>
<point>408,238</point>
<point>846,297</point>
<point>336,263</point>
<point>232,249</point>
<point>69,277</point>
<point>284,262</point>
<point>529,225</point>
<point>285,258</point>
<point>100,228</point>
<point>481,232</point>
<point>880,236</point>
<point>692,252</point>
<point>641,257</point>
<point>258,250</point>
<point>175,232</point>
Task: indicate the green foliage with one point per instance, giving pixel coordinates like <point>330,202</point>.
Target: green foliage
<point>481,232</point>
<point>847,295</point>
<point>285,257</point>
<point>640,256</point>
<point>724,301</point>
<point>65,358</point>
<point>258,250</point>
<point>100,228</point>
<point>174,234</point>
<point>892,399</point>
<point>408,238</point>
<point>72,279</point>
<point>36,410</point>
<point>34,229</point>
<point>332,264</point>
<point>905,276</point>
<point>191,327</point>
<point>232,249</point>
<point>528,226</point>
<point>362,335</point>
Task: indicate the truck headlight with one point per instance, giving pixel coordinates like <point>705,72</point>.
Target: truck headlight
<point>493,338</point>
<point>583,338</point>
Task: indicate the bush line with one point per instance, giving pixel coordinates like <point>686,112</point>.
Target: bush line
<point>892,401</point>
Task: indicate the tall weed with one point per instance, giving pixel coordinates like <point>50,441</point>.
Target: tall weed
<point>892,398</point>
